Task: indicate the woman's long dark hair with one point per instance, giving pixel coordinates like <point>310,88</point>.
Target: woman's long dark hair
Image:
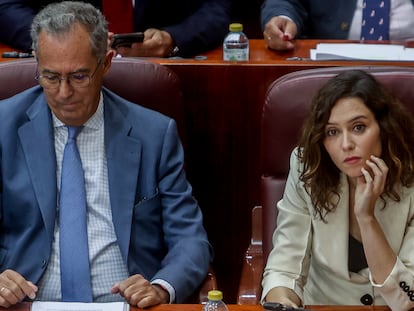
<point>320,175</point>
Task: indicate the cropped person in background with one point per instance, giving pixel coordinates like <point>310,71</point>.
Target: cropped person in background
<point>143,238</point>
<point>345,225</point>
<point>284,20</point>
<point>172,28</point>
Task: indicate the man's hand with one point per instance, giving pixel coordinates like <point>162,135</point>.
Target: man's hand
<point>139,292</point>
<point>279,32</point>
<point>157,43</point>
<point>14,288</point>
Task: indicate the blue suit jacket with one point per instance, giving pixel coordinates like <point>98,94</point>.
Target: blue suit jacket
<point>195,25</point>
<point>320,19</point>
<point>157,222</point>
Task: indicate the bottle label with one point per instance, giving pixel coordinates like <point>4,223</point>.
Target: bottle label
<point>236,54</point>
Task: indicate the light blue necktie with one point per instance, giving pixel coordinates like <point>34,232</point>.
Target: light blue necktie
<point>375,20</point>
<point>74,254</point>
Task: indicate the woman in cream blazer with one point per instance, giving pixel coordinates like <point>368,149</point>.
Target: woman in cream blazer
<point>345,230</point>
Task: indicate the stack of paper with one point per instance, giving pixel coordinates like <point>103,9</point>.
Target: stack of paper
<point>78,306</point>
<point>362,51</point>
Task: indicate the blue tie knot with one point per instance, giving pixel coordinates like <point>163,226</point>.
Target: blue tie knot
<point>73,131</point>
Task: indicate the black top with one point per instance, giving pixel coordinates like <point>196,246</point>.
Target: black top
<point>356,257</point>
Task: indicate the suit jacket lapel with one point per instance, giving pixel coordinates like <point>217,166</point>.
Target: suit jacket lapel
<point>123,156</point>
<point>37,141</point>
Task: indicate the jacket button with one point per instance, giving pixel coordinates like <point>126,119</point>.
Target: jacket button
<point>44,263</point>
<point>345,26</point>
<point>404,286</point>
<point>367,300</point>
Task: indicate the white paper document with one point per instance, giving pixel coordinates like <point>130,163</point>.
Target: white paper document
<point>78,306</point>
<point>362,51</point>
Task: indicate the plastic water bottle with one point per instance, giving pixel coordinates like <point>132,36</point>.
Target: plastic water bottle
<point>236,44</point>
<point>215,302</point>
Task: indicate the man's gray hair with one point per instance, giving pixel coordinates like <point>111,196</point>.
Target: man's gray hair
<point>58,19</point>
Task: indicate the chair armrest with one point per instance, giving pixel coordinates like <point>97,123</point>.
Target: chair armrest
<point>250,282</point>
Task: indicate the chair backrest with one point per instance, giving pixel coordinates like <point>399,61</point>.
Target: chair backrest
<point>287,102</point>
<point>148,84</point>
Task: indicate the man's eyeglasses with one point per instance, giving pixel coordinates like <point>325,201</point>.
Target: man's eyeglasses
<point>77,80</point>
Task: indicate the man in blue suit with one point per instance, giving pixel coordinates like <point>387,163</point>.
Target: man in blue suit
<point>147,244</point>
<point>177,28</point>
<point>284,20</point>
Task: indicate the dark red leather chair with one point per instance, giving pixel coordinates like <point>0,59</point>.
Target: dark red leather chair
<point>286,104</point>
<point>148,84</point>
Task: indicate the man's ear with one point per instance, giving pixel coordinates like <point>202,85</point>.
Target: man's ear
<point>108,60</point>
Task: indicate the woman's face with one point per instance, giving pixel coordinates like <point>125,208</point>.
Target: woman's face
<point>352,135</point>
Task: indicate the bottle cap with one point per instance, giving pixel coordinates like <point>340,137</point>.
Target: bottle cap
<point>215,295</point>
<point>236,27</point>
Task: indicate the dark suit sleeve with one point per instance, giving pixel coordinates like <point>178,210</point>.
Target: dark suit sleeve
<point>295,9</point>
<point>204,29</point>
<point>16,17</point>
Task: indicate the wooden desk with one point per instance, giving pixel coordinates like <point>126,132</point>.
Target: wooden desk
<point>223,102</point>
<point>177,307</point>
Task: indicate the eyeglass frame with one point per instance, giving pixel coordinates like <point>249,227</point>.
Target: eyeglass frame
<point>68,78</point>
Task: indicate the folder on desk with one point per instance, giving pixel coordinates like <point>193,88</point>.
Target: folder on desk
<point>362,51</point>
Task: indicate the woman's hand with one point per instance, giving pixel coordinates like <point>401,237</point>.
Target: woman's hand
<point>370,186</point>
<point>284,296</point>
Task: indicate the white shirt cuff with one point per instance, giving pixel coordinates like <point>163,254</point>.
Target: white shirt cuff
<point>166,286</point>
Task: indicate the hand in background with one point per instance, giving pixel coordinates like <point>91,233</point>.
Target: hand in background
<point>279,32</point>
<point>157,43</point>
<point>284,296</point>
